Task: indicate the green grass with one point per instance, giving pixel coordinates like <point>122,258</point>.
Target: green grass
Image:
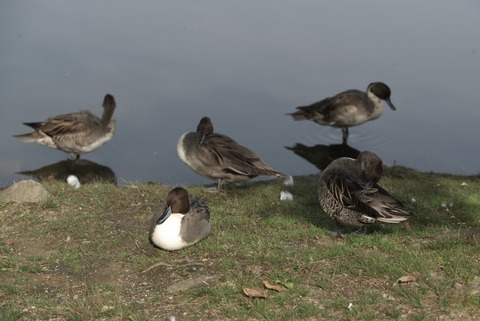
<point>84,255</point>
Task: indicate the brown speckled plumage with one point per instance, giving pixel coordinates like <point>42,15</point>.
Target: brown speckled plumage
<point>349,193</point>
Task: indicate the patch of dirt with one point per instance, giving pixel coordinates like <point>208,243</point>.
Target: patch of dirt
<point>102,276</point>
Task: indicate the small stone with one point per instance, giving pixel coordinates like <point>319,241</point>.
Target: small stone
<point>286,196</point>
<point>288,181</point>
<point>27,191</point>
<point>73,181</point>
<point>475,286</point>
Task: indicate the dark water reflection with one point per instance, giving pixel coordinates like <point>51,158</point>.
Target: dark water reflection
<point>322,155</point>
<point>86,171</point>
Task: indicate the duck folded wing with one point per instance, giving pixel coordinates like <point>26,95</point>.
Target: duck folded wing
<point>196,224</point>
<point>235,158</point>
<point>67,124</point>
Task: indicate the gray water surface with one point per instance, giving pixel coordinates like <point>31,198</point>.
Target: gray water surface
<point>245,64</point>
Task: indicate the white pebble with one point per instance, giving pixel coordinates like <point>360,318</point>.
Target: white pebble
<point>288,181</point>
<point>286,196</point>
<point>73,181</point>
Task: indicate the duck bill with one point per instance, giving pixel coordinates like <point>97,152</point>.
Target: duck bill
<point>390,104</point>
<point>166,213</point>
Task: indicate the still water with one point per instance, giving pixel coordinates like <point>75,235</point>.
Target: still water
<point>245,64</point>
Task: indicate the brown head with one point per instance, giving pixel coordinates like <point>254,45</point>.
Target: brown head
<point>178,200</point>
<point>371,166</point>
<point>382,91</point>
<point>204,128</point>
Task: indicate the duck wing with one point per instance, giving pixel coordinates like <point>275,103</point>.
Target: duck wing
<point>235,158</point>
<point>350,192</point>
<point>68,124</point>
<point>374,202</point>
<point>196,223</point>
<point>330,108</point>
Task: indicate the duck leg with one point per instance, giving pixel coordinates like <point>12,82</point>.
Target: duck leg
<point>344,135</point>
<point>338,233</point>
<point>219,185</point>
<point>73,156</point>
<point>361,230</point>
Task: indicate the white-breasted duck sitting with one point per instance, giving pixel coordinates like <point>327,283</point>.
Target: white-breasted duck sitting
<point>180,223</point>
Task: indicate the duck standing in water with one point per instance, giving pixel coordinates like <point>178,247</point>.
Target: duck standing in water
<point>181,223</point>
<point>348,192</point>
<point>219,157</point>
<point>74,133</point>
<point>349,108</point>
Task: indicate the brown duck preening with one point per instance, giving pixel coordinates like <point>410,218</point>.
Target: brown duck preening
<point>74,133</point>
<point>349,193</point>
<point>219,157</point>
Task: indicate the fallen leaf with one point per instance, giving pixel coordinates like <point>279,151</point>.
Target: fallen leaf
<point>278,288</point>
<point>254,293</point>
<point>405,279</point>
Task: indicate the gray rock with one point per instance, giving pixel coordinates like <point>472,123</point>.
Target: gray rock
<point>27,191</point>
<point>187,284</point>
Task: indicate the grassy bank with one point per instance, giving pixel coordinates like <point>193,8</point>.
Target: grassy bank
<point>85,256</point>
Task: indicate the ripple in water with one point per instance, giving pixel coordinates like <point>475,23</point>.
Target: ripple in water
<point>371,136</point>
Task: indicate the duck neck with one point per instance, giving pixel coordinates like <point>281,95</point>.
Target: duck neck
<point>107,115</point>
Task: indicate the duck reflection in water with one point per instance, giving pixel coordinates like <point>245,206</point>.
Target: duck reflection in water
<point>85,170</point>
<point>322,155</point>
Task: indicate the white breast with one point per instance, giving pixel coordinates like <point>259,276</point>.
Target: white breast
<point>378,106</point>
<point>181,149</point>
<point>167,234</point>
<point>96,143</point>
